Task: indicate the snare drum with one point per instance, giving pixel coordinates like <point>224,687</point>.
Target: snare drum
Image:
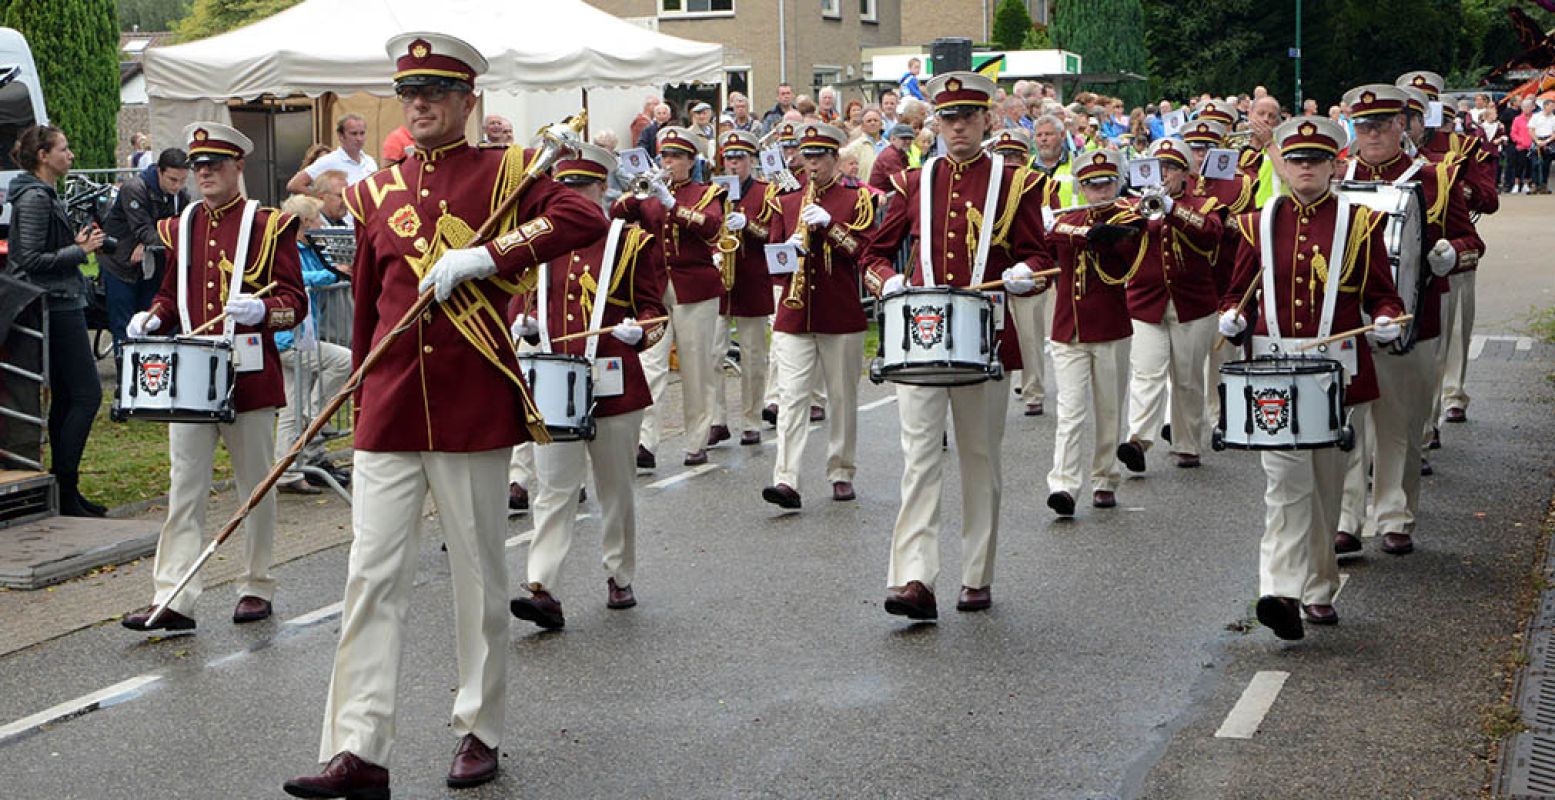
<point>174,380</point>
<point>937,336</point>
<point>1282,403</point>
<point>1404,205</point>
<point>563,389</point>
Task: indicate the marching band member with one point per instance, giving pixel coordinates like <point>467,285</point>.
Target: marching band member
<point>958,185</point>
<point>685,216</point>
<point>787,135</point>
<point>573,292</point>
<point>1027,312</point>
<point>1298,573</point>
<point>1172,300</point>
<point>217,275</point>
<point>1476,169</point>
<point>749,304</point>
<point>1099,250</point>
<point>1382,114</point>
<point>442,409</point>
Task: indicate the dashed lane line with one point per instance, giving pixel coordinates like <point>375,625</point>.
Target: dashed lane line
<point>1478,341</point>
<point>85,704</point>
<point>682,476</point>
<point>1249,711</point>
<point>318,614</point>
<point>1344,578</point>
<point>884,401</point>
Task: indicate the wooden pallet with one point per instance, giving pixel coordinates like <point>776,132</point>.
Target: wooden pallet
<point>26,496</point>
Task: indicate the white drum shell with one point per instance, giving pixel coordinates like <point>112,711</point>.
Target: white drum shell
<point>1404,235</point>
<point>938,336</point>
<point>164,379</point>
<point>1281,404</point>
<point>563,389</point>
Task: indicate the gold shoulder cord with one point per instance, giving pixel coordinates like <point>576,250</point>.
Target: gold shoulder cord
<point>1139,258</point>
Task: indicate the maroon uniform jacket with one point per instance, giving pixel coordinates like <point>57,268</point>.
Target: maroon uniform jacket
<point>272,257</point>
<point>831,270</point>
<point>1177,266</point>
<point>687,236</point>
<point>959,190</point>
<point>752,292</point>
<point>1234,196</point>
<point>1477,167</point>
<point>1303,261</point>
<point>636,290</point>
<point>451,383</point>
<point>1090,304</point>
<point>888,162</point>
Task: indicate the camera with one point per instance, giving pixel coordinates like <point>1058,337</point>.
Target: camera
<point>87,202</point>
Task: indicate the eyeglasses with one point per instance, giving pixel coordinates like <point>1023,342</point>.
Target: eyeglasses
<point>432,94</point>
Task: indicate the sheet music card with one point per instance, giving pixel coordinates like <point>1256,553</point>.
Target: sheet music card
<point>1219,164</point>
<point>782,259</point>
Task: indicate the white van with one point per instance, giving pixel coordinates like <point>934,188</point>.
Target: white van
<point>21,105</point>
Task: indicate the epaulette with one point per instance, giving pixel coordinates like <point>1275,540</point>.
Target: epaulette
<point>167,230</point>
<point>708,196</point>
<point>900,180</point>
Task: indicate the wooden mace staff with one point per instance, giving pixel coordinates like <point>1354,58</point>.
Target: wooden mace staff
<point>557,138</point>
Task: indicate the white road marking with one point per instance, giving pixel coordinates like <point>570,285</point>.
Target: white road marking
<point>528,536</point>
<point>1524,343</point>
<point>102,698</point>
<point>1344,578</point>
<point>884,401</point>
<point>1249,711</point>
<point>681,476</point>
<point>1477,343</point>
<point>333,609</point>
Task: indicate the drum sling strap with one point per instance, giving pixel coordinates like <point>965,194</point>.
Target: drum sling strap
<point>1330,284</point>
<point>235,286</point>
<point>926,221</point>
<point>601,296</point>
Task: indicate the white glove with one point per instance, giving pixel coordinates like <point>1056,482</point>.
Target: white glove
<point>523,327</point>
<point>797,240</point>
<point>246,309</point>
<point>666,197</point>
<point>1018,279</point>
<point>627,330</point>
<point>1385,330</point>
<point>1232,323</point>
<point>1049,219</point>
<point>894,284</point>
<point>734,221</point>
<point>456,267</point>
<point>813,214</point>
<point>141,324</point>
<point>1442,258</point>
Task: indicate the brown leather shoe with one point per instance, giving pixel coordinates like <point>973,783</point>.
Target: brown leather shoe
<point>251,609</point>
<point>1185,460</point>
<point>1434,441</point>
<point>645,459</point>
<point>749,438</point>
<point>297,486</point>
<point>913,601</point>
<point>696,459</point>
<point>1132,454</point>
<point>1034,409</point>
<point>1320,614</point>
<point>1280,615</point>
<point>1346,542</point>
<point>817,414</point>
<point>169,621</point>
<point>716,434</point>
<point>1101,498</point>
<point>518,498</point>
<point>769,414</point>
<point>1062,503</point>
<point>618,596</point>
<point>474,763</point>
<point>1397,544</point>
<point>782,496</point>
<point>1457,415</point>
<point>1426,470</point>
<point>974,599</point>
<point>842,491</point>
<point>344,776</point>
<point>540,608</point>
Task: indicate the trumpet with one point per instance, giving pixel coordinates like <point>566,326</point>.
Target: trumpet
<point>641,184</point>
<point>1152,203</point>
<point>1242,138</point>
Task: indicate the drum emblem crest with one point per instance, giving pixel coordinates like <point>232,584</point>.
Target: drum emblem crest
<point>156,372</point>
<point>1272,410</point>
<point>928,325</point>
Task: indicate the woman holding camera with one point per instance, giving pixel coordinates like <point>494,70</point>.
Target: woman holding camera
<point>45,252</point>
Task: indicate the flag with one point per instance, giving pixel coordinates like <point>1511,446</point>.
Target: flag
<point>992,67</point>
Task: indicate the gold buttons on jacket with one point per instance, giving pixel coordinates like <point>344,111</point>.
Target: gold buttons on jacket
<point>425,192</point>
<point>431,168</point>
<point>426,349</point>
<point>213,243</point>
<point>1298,304</point>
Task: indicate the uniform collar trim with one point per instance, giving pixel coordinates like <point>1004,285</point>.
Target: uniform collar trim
<point>441,151</point>
<point>226,208</point>
<point>1308,208</point>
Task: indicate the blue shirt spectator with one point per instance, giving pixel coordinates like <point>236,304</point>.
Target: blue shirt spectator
<point>909,79</point>
<point>314,273</point>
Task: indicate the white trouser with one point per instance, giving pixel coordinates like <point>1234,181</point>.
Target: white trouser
<point>250,440</point>
<point>837,357</point>
<point>1452,358</point>
<point>1029,314</point>
<point>1394,422</point>
<point>1353,511</point>
<point>327,368</point>
<point>521,465</point>
<point>692,329</point>
<point>978,414</point>
<point>388,494</point>
<point>1301,498</point>
<point>1102,369</point>
<point>561,467</point>
<point>817,391</point>
<point>1172,352</point>
<point>752,333</point>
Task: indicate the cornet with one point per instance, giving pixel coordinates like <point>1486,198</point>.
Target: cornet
<point>1238,138</point>
<point>641,184</point>
<point>1152,203</point>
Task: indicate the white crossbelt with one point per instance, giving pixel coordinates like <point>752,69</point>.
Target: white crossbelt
<point>235,287</point>
<point>926,221</point>
<point>601,293</point>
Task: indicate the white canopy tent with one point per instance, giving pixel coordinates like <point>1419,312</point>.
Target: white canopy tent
<point>337,46</point>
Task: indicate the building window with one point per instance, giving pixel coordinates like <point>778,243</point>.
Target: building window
<point>737,79</point>
<point>824,76</point>
<point>869,10</point>
<point>832,9</point>
<point>693,7</point>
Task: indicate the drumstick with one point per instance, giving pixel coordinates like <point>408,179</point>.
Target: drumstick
<point>216,320</point>
<point>1247,297</point>
<point>597,331</point>
<point>1347,334</point>
<point>1047,273</point>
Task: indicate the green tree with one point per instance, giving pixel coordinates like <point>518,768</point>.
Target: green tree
<point>210,17</point>
<point>1109,35</point>
<point>1011,23</point>
<point>75,44</point>
<point>1037,39</point>
<point>151,15</point>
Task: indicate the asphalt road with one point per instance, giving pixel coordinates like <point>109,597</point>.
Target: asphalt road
<point>759,663</point>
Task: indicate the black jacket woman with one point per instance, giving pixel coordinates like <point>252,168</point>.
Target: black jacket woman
<point>47,253</point>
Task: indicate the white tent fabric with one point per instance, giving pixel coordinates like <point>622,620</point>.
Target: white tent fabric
<point>337,46</point>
